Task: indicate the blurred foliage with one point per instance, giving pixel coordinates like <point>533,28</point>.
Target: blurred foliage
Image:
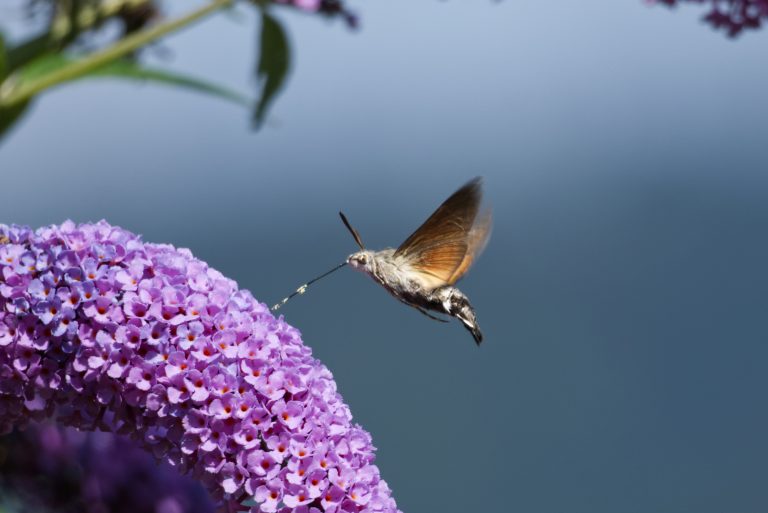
<point>71,47</point>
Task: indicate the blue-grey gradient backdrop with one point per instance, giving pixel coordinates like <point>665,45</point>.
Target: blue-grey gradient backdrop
<point>623,294</point>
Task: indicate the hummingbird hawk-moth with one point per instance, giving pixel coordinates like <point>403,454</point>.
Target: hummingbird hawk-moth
<point>423,270</point>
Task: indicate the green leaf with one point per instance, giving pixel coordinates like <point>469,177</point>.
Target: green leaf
<point>250,502</point>
<point>130,70</point>
<point>274,63</point>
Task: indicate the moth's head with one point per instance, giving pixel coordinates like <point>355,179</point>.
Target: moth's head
<point>362,261</point>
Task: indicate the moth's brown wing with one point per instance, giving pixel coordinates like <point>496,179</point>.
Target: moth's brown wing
<point>442,249</point>
<point>476,242</point>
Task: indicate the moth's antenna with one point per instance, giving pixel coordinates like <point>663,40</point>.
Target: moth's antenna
<point>303,288</point>
<point>352,230</point>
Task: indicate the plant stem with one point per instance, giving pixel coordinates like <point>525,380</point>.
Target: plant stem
<point>13,95</point>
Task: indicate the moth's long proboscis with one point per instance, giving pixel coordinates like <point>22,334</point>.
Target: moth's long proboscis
<point>303,288</point>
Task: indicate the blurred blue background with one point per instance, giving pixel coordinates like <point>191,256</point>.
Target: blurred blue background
<point>622,295</point>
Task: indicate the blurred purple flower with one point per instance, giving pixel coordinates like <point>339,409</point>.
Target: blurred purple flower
<point>48,468</point>
<point>733,16</point>
<point>101,331</point>
<point>327,7</point>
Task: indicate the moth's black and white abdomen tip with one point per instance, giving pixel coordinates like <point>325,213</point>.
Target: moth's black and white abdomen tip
<point>476,333</point>
<point>470,322</point>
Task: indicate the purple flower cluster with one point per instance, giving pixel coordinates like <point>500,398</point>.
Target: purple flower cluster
<point>733,16</point>
<point>50,468</point>
<point>102,331</point>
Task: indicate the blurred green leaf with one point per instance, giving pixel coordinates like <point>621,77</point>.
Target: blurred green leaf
<point>3,59</point>
<point>274,63</point>
<point>21,91</point>
<point>131,70</point>
<point>23,53</point>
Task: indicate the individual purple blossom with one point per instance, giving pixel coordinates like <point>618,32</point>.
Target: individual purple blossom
<point>296,495</point>
<point>101,331</point>
<point>269,495</point>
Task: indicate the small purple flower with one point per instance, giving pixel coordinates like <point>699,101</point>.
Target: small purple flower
<point>291,414</point>
<point>232,476</point>
<point>189,333</point>
<point>269,495</point>
<point>263,464</point>
<point>278,447</point>
<point>297,470</point>
<point>296,495</point>
<point>260,418</point>
<point>129,278</point>
<point>197,385</point>
<point>247,436</point>
<point>101,310</point>
<point>360,494</point>
<point>24,357</point>
<point>102,331</point>
<point>65,322</point>
<point>332,497</point>
<point>317,483</point>
<point>142,376</point>
<point>215,438</point>
<point>47,310</point>
<point>298,448</point>
<point>37,290</point>
<point>178,362</point>
<point>226,343</point>
<point>221,407</point>
<point>341,478</point>
<point>8,330</point>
